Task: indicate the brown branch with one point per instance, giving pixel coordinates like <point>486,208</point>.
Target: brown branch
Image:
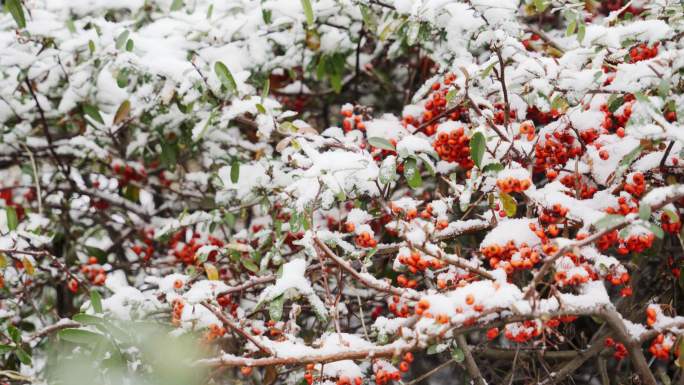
<point>574,364</point>
<point>470,364</point>
<point>349,354</point>
<point>237,329</point>
<point>636,355</point>
<point>61,324</point>
<point>365,280</point>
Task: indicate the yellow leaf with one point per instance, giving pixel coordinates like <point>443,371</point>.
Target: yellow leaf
<point>28,266</point>
<point>212,273</point>
<point>122,112</point>
<point>3,261</point>
<point>510,206</point>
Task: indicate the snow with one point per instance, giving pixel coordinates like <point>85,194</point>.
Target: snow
<point>511,230</point>
<point>291,283</point>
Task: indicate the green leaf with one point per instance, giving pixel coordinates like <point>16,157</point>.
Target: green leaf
<point>235,170</point>
<point>169,153</point>
<point>308,12</point>
<point>656,230</point>
<point>608,221</point>
<point>630,157</point>
<point>644,211</point>
<point>494,167</point>
<point>615,103</point>
<point>572,27</point>
<point>640,96</point>
<point>14,333</point>
<point>87,319</point>
<point>71,26</point>
<point>382,143</point>
<point>581,31</point>
<point>477,148</point>
<point>96,301</point>
<point>130,45</point>
<point>121,39</point>
<point>12,220</point>
<point>673,217</point>
<point>176,5</point>
<point>5,348</point>
<point>266,89</point>
<point>487,70</point>
<point>412,174</point>
<point>80,336</point>
<point>451,95</point>
<point>225,76</point>
<point>275,308</point>
<point>260,107</point>
<point>17,11</point>
<point>509,203</point>
<point>250,265</point>
<point>680,347</point>
<point>23,356</point>
<point>267,15</point>
<point>664,88</point>
<point>458,355</point>
<point>93,112</point>
<point>436,348</point>
<point>540,5</point>
<point>122,78</point>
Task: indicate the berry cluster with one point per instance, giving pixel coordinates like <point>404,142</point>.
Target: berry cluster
<point>94,272</point>
<point>454,147</point>
<point>637,185</point>
<point>365,240</point>
<point>555,150</point>
<point>571,181</point>
<point>668,225</point>
<point>127,173</point>
<point>510,257</point>
<point>620,279</point>
<point>624,206</point>
<point>397,307</point>
<point>661,346</point>
<point>416,263</point>
<point>186,251</point>
<point>214,332</point>
<point>500,114</point>
<point>177,311</point>
<point>555,214</point>
<point>352,119</point>
<point>576,271</point>
<point>620,349</point>
<point>145,250</point>
<point>614,122</point>
<point>523,331</point>
<point>643,52</point>
<point>436,104</point>
<point>406,362</point>
<point>526,129</point>
<point>636,243</point>
<point>510,185</point>
<point>382,376</point>
<point>541,117</point>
